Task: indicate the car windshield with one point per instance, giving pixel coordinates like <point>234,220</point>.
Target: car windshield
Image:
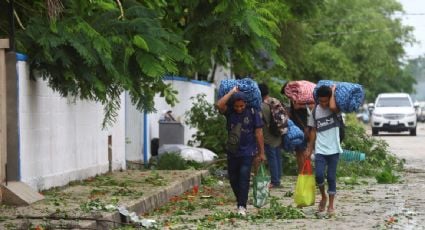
<point>394,102</point>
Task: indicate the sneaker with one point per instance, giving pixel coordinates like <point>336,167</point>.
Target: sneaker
<point>242,211</point>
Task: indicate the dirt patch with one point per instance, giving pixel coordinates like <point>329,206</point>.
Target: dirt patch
<point>89,198</point>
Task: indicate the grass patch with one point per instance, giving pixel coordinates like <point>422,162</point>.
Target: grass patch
<point>155,179</point>
<point>171,161</point>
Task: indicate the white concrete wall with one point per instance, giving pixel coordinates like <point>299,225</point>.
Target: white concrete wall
<point>134,132</point>
<point>222,73</point>
<point>61,139</point>
<point>186,89</point>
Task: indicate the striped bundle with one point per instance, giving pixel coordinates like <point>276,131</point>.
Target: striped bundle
<point>293,138</point>
<point>248,86</point>
<point>300,91</point>
<point>348,96</point>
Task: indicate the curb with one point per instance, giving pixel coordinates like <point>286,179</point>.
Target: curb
<point>146,204</point>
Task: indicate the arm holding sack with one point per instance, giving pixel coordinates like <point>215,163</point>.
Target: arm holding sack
<point>332,102</point>
<point>222,103</point>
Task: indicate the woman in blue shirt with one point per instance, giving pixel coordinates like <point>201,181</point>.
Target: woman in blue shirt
<point>244,145</point>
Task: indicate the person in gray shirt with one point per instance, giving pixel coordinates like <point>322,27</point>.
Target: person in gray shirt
<point>324,137</point>
<point>272,143</point>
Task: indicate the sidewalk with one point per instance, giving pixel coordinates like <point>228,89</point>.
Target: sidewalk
<point>85,204</point>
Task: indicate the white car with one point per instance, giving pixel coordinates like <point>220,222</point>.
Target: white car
<point>393,112</point>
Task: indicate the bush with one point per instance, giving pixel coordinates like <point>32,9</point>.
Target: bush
<point>289,164</point>
<point>378,157</point>
<point>171,161</point>
<point>387,176</point>
<point>211,126</point>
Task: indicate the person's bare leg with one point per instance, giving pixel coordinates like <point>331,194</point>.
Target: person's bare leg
<point>322,204</point>
<point>331,208</point>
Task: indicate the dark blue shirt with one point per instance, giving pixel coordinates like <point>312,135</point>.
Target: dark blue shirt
<point>249,120</point>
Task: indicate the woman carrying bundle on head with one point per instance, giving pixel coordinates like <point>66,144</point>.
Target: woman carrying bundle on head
<point>300,94</point>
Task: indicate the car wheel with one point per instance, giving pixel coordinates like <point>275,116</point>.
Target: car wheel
<point>375,132</point>
<point>413,132</point>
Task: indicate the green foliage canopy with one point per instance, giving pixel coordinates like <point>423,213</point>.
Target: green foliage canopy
<point>355,41</point>
<point>94,50</point>
<point>90,53</point>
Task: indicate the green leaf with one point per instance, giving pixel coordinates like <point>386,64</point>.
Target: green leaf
<point>140,42</point>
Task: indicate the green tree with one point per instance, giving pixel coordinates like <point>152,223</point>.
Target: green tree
<point>416,68</point>
<point>229,33</point>
<point>367,44</point>
<point>356,41</point>
<point>95,51</point>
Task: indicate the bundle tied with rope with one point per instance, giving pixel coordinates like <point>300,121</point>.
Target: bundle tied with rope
<point>248,86</point>
<point>300,91</point>
<point>348,96</point>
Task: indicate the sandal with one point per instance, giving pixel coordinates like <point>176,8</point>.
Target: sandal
<point>322,205</point>
<point>331,213</point>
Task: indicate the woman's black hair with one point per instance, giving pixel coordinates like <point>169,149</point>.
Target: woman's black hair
<point>237,96</point>
<point>264,89</point>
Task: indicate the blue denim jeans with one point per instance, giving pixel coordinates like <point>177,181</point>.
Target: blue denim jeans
<point>320,163</point>
<point>239,170</point>
<point>274,160</point>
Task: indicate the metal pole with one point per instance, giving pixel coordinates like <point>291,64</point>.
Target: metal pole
<point>5,165</point>
<point>11,26</point>
<point>145,139</point>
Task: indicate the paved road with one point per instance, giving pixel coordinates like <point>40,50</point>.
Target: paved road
<point>411,148</point>
<point>367,205</point>
<point>410,195</point>
<point>378,206</point>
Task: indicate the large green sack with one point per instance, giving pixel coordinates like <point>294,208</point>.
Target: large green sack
<point>305,190</point>
<point>261,187</point>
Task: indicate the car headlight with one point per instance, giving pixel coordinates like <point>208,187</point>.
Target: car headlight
<point>377,115</point>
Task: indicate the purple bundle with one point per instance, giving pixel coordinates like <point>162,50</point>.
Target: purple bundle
<point>248,86</point>
<point>348,96</point>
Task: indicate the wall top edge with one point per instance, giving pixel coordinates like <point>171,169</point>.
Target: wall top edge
<point>177,78</point>
<point>4,43</point>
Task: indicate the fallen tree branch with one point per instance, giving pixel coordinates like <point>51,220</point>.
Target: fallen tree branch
<point>76,218</point>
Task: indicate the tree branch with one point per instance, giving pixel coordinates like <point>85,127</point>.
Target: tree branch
<point>121,9</point>
<point>54,8</point>
<point>18,20</point>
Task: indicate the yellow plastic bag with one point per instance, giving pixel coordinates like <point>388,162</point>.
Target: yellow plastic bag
<point>305,190</point>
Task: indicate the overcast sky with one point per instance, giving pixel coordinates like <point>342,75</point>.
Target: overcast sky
<point>418,22</point>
